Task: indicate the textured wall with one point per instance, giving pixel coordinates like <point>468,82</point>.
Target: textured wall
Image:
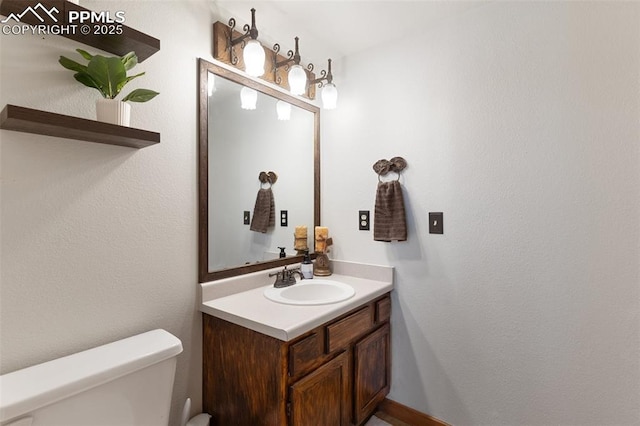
<point>519,121</point>
<point>99,242</point>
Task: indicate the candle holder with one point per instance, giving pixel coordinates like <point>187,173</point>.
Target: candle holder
<point>321,267</point>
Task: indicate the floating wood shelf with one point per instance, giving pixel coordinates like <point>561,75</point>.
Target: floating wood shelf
<point>100,36</point>
<point>29,120</point>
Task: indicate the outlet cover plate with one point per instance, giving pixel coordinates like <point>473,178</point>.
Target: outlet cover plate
<point>364,221</point>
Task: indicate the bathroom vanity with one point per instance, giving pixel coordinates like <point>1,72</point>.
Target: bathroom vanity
<point>267,363</point>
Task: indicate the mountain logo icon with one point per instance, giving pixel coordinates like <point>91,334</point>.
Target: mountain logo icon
<point>34,11</point>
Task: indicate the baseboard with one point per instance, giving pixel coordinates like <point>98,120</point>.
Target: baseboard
<point>408,415</point>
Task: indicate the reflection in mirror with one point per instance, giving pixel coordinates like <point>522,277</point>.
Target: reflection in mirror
<point>238,142</point>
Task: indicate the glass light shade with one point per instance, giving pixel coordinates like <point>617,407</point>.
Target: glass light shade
<point>297,80</point>
<point>253,55</point>
<point>211,83</point>
<point>284,110</point>
<point>248,98</point>
<point>329,96</point>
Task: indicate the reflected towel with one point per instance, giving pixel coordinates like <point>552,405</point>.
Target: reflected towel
<point>389,221</point>
<point>264,212</point>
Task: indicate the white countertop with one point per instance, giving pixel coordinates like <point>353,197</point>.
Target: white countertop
<point>240,300</point>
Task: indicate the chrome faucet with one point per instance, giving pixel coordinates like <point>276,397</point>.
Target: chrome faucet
<point>286,277</point>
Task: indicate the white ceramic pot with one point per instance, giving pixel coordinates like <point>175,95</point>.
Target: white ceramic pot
<point>113,111</point>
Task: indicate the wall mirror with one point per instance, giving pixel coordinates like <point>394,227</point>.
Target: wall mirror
<point>235,146</point>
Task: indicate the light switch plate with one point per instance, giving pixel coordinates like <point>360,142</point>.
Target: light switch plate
<point>247,217</point>
<point>436,226</point>
<point>284,218</point>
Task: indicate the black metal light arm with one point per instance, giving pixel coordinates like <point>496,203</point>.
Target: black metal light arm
<point>325,75</point>
<point>249,31</point>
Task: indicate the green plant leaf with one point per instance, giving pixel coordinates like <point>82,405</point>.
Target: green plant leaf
<point>129,60</point>
<point>128,79</point>
<point>86,79</point>
<point>141,95</point>
<point>72,65</point>
<point>85,54</point>
<point>108,73</point>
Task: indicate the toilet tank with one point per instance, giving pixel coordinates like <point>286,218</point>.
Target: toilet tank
<point>124,383</point>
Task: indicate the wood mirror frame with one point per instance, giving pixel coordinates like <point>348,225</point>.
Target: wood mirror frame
<point>205,67</point>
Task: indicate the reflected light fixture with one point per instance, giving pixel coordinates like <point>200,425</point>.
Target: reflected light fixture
<point>253,52</point>
<point>329,90</point>
<point>297,75</point>
<point>211,83</point>
<point>284,110</point>
<point>248,98</point>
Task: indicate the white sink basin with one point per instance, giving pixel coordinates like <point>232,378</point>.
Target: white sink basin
<point>317,291</point>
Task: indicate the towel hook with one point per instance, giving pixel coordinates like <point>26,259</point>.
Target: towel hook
<point>396,165</point>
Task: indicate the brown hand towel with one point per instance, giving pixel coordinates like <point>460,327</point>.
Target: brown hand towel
<point>264,212</point>
<point>389,221</point>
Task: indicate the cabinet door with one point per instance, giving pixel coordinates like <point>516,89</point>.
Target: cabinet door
<point>323,397</point>
<point>371,372</point>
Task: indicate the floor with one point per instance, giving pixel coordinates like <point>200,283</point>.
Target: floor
<point>376,421</point>
<point>382,419</point>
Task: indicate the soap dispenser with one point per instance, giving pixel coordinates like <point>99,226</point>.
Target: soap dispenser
<point>307,266</point>
<point>282,253</point>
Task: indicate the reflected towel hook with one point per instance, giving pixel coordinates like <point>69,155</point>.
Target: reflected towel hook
<point>268,177</point>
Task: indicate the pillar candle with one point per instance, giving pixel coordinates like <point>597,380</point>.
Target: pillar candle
<point>300,238</point>
<point>321,233</point>
<point>301,231</point>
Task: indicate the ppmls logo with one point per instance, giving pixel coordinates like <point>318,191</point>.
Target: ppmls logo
<point>33,10</point>
<point>39,20</point>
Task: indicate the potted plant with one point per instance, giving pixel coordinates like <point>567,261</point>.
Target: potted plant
<point>108,75</point>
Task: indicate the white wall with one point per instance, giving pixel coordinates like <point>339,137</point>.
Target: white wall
<point>99,242</point>
<point>520,121</point>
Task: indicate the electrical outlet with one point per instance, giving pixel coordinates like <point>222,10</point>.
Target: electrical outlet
<point>436,225</point>
<point>247,217</point>
<point>284,218</point>
<point>363,220</point>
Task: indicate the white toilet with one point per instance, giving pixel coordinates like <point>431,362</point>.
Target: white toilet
<point>124,383</point>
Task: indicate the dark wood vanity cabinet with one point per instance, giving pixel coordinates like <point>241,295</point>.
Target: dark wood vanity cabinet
<point>336,374</point>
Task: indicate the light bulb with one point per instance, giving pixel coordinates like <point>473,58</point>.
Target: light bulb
<point>253,55</point>
<point>329,96</point>
<point>284,110</point>
<point>297,80</point>
<point>248,98</point>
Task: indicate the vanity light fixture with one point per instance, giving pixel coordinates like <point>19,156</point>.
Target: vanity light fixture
<point>297,76</point>
<point>283,109</point>
<point>248,98</point>
<point>253,52</point>
<point>329,91</point>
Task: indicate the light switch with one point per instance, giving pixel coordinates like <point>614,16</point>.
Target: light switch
<point>284,218</point>
<point>436,225</point>
<point>247,217</point>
